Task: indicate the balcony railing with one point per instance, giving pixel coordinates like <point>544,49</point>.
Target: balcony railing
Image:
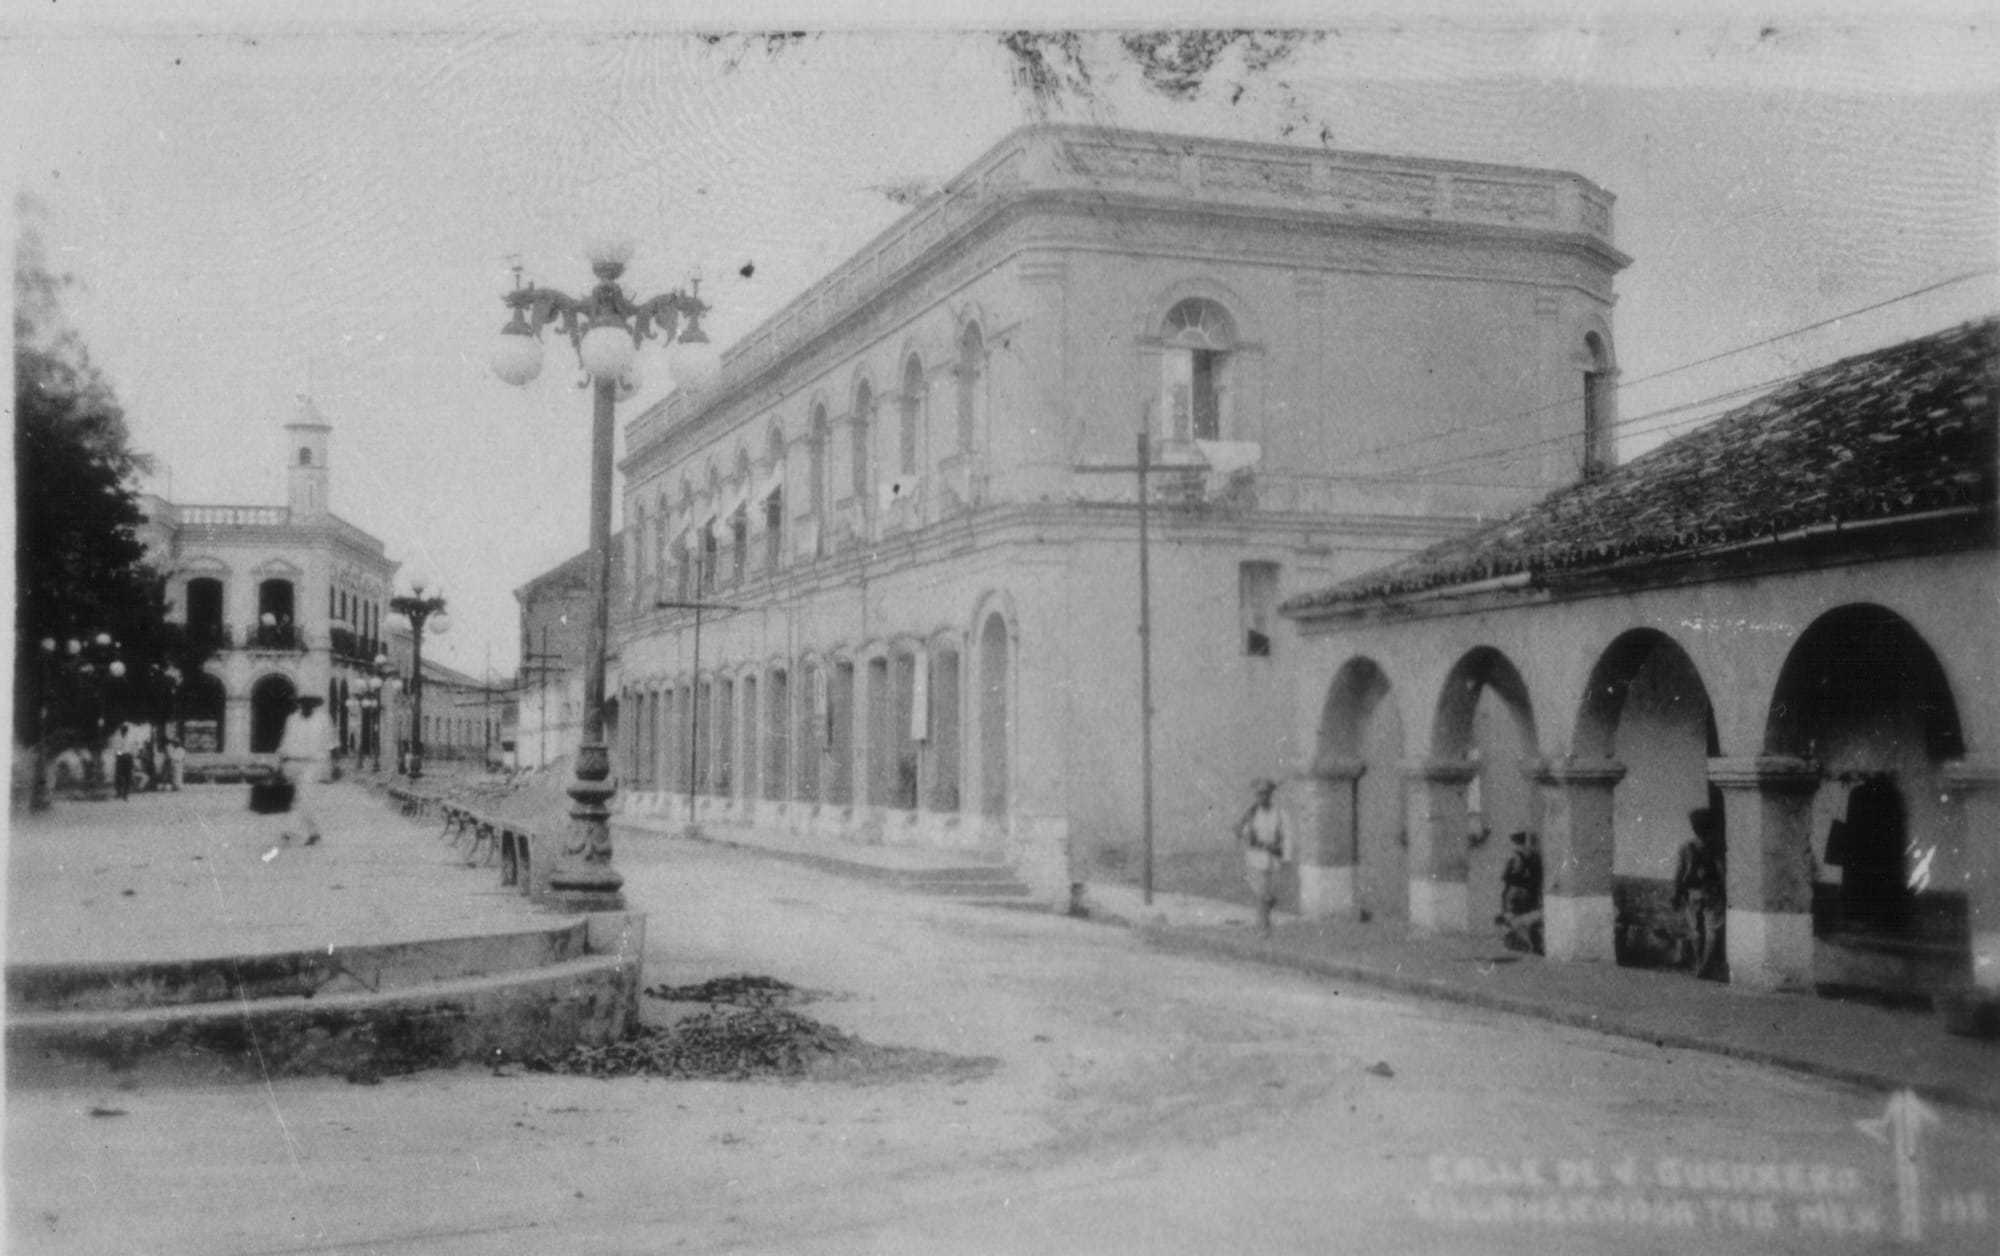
<point>211,636</point>
<point>351,646</point>
<point>276,637</point>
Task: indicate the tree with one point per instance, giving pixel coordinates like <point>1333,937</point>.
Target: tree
<point>80,568</point>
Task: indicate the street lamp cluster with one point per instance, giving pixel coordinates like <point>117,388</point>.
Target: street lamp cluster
<point>89,661</point>
<point>606,329</point>
<point>420,609</point>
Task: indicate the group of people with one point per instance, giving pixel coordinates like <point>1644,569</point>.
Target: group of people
<point>136,757</point>
<point>1698,883</point>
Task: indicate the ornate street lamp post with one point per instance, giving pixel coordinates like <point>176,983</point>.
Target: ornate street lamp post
<point>419,610</point>
<point>606,328</point>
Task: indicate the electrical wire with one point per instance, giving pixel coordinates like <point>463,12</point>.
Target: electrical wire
<point>1673,370</point>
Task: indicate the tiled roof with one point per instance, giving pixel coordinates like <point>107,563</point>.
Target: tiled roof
<point>1900,431</point>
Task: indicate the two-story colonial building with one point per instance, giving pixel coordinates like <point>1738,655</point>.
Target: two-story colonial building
<point>909,502</point>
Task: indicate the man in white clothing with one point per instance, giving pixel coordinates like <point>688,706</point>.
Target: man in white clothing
<point>305,755</point>
<point>1267,847</point>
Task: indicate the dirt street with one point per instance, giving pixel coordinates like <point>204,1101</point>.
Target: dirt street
<point>1101,1097</point>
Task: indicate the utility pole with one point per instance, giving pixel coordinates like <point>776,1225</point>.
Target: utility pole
<point>694,690</point>
<point>1142,468</point>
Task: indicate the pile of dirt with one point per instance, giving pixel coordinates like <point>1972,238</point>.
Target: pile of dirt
<point>746,1035</point>
<point>739,990</point>
<point>725,1044</point>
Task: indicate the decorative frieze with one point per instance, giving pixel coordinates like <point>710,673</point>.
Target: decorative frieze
<point>1503,199</point>
<point>1248,174</point>
<point>1107,161</point>
<point>1381,189</point>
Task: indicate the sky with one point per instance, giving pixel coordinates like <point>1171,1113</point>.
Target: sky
<point>257,205</point>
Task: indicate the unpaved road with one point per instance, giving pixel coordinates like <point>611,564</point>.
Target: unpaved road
<point>1137,1102</point>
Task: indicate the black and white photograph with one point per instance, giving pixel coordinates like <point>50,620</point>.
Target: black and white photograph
<point>1035,628</point>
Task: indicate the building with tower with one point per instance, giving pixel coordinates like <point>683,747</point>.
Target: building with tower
<point>293,598</point>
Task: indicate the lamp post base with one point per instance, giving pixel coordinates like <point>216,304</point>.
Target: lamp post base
<point>584,880</point>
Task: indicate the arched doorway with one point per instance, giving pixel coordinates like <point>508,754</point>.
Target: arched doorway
<point>1361,805</point>
<point>271,700</point>
<point>993,716</point>
<point>1484,734</point>
<point>203,707</point>
<point>943,724</point>
<point>1863,696</point>
<point>1647,710</point>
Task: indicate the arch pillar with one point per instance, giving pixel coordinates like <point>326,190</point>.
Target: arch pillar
<point>1327,806</point>
<point>1439,902</point>
<point>1767,809</point>
<point>1972,800</point>
<point>1578,920</point>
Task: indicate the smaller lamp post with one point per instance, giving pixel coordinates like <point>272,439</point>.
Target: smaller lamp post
<point>419,609</point>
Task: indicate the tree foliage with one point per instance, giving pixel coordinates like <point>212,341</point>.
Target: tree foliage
<point>80,568</point>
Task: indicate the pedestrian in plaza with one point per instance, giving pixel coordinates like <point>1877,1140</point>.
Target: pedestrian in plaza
<point>1267,847</point>
<point>1699,891</point>
<point>304,755</point>
<point>176,763</point>
<point>122,760</point>
<point>1521,894</point>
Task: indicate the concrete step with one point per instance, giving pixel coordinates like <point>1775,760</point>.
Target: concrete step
<point>115,986</point>
<point>374,1011</point>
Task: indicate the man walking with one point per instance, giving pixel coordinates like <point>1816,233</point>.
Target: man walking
<point>1267,842</point>
<point>304,755</point>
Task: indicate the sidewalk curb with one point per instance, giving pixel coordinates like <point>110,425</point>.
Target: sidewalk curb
<point>1171,938</point>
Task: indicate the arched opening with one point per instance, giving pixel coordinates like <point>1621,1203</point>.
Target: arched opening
<point>861,462</point>
<point>751,759</point>
<point>204,610</point>
<point>971,354</point>
<point>906,732</point>
<point>203,708</point>
<point>944,732</point>
<point>1863,695</point>
<point>271,701</point>
<point>882,747</point>
<point>819,490</point>
<point>840,735</point>
<point>1362,804</point>
<point>1486,720</point>
<point>777,725</point>
<point>1197,336</point>
<point>812,739</point>
<point>723,784</point>
<point>911,404</point>
<point>993,767</point>
<point>1646,709</point>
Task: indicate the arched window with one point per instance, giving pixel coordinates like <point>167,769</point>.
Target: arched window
<point>637,552</point>
<point>204,609</point>
<point>1599,436</point>
<point>305,455</point>
<point>912,416</point>
<point>971,353</point>
<point>818,444</point>
<point>1197,337</point>
<point>864,471</point>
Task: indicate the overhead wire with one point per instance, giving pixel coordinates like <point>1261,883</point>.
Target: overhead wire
<point>1621,385</point>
